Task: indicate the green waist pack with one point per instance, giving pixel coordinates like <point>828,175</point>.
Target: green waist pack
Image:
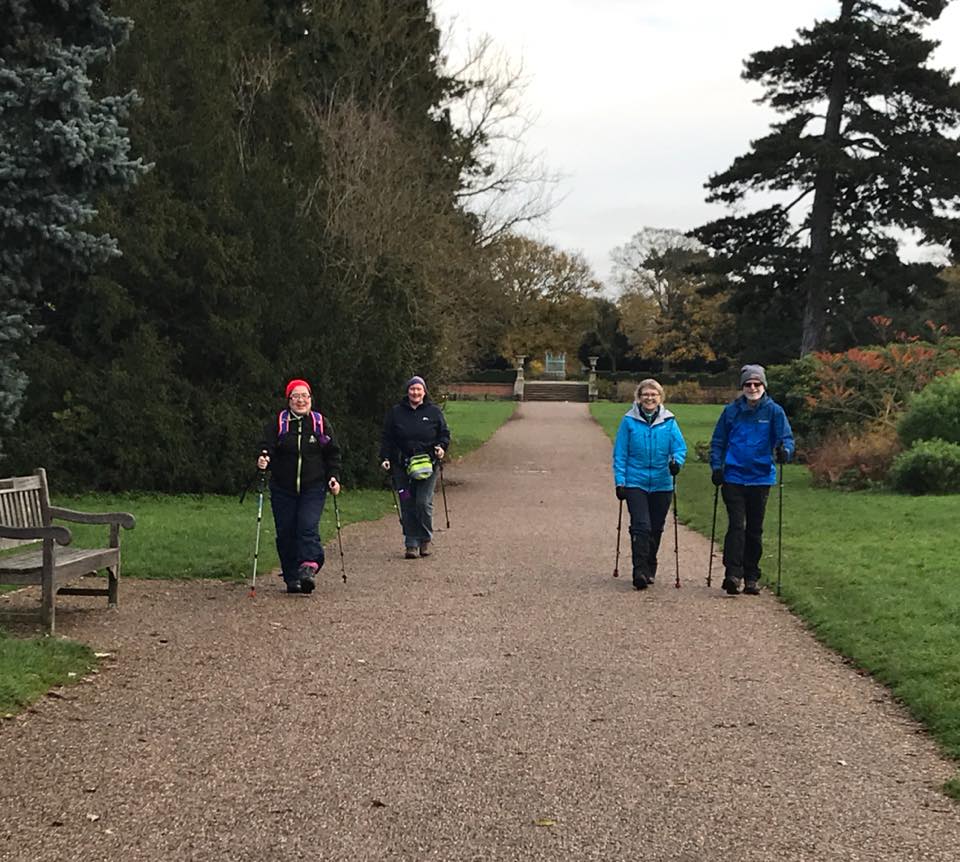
<point>420,467</point>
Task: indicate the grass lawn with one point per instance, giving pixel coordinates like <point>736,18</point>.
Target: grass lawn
<point>186,536</point>
<point>28,668</point>
<point>472,423</point>
<point>872,573</point>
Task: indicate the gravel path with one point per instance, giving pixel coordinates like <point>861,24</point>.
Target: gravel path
<point>504,699</point>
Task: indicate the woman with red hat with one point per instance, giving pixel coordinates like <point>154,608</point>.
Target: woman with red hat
<point>304,461</point>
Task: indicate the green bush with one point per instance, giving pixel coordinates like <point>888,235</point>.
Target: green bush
<point>933,413</point>
<point>929,467</point>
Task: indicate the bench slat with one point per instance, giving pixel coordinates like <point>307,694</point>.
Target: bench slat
<point>26,568</point>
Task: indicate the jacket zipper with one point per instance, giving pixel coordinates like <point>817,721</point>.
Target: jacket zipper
<point>299,455</point>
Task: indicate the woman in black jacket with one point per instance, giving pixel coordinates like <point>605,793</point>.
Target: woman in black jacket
<point>304,462</point>
<point>415,439</point>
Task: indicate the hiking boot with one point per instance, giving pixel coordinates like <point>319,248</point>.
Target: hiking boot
<point>751,588</point>
<point>410,554</point>
<point>293,586</point>
<point>307,574</point>
<point>639,581</point>
<point>731,586</point>
<point>424,549</point>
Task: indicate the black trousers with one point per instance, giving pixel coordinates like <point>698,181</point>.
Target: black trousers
<point>648,513</point>
<point>743,545</point>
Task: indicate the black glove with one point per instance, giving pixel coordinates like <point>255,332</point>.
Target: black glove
<point>673,467</point>
<point>717,476</point>
<point>781,454</point>
<point>621,492</point>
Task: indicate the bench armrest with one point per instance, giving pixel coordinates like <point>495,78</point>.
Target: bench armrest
<point>61,535</point>
<point>124,519</point>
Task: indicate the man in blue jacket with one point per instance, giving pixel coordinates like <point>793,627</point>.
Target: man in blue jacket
<point>751,432</point>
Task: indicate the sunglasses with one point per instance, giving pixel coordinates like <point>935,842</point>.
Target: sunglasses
<point>752,384</point>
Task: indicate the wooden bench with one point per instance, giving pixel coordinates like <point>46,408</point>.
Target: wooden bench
<point>26,517</point>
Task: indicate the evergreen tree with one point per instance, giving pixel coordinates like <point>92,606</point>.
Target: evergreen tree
<point>868,145</point>
<point>60,147</point>
<point>301,220</point>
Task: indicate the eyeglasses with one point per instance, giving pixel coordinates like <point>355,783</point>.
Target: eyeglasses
<point>753,384</point>
<point>300,396</point>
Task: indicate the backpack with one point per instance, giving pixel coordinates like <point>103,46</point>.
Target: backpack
<point>283,426</point>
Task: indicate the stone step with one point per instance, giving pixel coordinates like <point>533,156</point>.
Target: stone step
<point>541,390</point>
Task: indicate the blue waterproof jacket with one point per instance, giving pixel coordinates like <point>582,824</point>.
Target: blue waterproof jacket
<point>744,440</point>
<point>642,451</point>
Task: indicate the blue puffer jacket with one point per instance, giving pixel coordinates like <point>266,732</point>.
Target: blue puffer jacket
<point>744,440</point>
<point>642,451</point>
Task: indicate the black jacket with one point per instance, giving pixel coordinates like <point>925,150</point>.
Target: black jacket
<point>408,431</point>
<point>300,459</point>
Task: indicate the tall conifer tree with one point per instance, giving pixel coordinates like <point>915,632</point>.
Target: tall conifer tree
<point>60,146</point>
<point>867,150</point>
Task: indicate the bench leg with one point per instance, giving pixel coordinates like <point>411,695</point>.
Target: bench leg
<point>113,585</point>
<point>48,600</point>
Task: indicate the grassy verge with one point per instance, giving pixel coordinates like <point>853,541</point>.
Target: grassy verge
<point>873,574</point>
<point>472,423</point>
<point>28,668</point>
<point>205,536</point>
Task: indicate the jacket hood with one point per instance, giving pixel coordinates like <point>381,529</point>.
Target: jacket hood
<point>662,416</point>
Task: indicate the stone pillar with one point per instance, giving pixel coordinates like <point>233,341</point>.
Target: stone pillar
<point>592,380</point>
<point>518,383</point>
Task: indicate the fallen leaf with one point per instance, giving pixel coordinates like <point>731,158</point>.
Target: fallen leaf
<point>93,818</point>
<point>102,654</point>
<point>544,821</point>
<point>842,762</point>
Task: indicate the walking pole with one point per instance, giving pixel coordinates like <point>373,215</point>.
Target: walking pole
<point>780,528</point>
<point>713,531</point>
<point>336,512</point>
<point>676,534</point>
<point>443,492</point>
<point>396,499</point>
<point>256,548</point>
<point>616,565</point>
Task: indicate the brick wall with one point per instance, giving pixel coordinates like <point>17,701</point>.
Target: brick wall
<point>479,390</point>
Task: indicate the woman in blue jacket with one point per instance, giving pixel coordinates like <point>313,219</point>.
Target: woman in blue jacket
<point>751,432</point>
<point>647,454</point>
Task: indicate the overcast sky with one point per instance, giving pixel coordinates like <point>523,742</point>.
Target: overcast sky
<point>637,102</point>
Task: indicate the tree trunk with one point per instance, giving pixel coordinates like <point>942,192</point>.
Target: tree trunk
<point>824,199</point>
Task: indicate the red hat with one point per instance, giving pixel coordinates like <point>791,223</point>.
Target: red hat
<point>293,384</point>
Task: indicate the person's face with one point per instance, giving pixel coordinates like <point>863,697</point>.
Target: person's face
<point>753,390</point>
<point>415,394</point>
<point>649,399</point>
<point>300,400</point>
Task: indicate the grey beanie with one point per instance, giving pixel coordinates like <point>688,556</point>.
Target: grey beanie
<point>752,372</point>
